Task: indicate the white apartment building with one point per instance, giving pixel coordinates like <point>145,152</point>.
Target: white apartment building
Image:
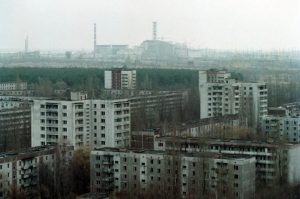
<point>5,86</point>
<point>120,78</point>
<point>222,95</point>
<point>81,122</point>
<point>166,175</point>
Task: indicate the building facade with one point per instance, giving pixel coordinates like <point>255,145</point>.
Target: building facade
<point>274,161</point>
<point>222,95</point>
<point>21,168</point>
<point>15,127</point>
<point>283,123</point>
<point>168,175</point>
<point>120,78</point>
<point>102,123</point>
<point>6,86</point>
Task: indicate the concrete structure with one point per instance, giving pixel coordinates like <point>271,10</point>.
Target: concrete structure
<point>274,161</point>
<point>143,139</point>
<point>151,109</point>
<point>5,86</point>
<point>15,128</point>
<point>206,127</point>
<point>21,168</point>
<point>283,123</point>
<point>222,95</point>
<point>111,52</point>
<point>81,122</point>
<point>166,175</point>
<point>120,78</point>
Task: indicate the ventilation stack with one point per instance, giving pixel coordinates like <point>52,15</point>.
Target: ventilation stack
<point>154,30</point>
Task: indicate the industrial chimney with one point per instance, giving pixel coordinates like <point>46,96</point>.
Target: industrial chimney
<point>154,29</point>
<point>26,44</point>
<point>95,39</point>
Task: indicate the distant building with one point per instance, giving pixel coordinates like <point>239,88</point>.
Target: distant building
<point>143,139</point>
<point>148,108</point>
<point>222,95</point>
<point>120,78</point>
<point>206,127</point>
<point>283,123</point>
<point>275,162</point>
<point>81,122</point>
<point>15,89</point>
<point>13,86</point>
<point>111,52</point>
<point>22,168</point>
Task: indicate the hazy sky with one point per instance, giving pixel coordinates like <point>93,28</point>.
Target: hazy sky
<point>221,24</point>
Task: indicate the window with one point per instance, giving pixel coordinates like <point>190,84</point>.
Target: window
<point>64,106</point>
<point>236,167</point>
<point>236,176</point>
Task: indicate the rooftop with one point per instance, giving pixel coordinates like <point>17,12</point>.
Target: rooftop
<point>185,154</point>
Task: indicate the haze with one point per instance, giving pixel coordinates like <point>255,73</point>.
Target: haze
<point>220,24</point>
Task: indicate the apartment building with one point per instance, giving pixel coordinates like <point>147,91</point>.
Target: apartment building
<point>168,175</point>
<point>15,89</point>
<point>274,161</point>
<point>21,168</point>
<point>13,86</point>
<point>221,95</point>
<point>81,122</point>
<point>151,109</point>
<point>283,123</point>
<point>15,127</point>
<point>120,78</point>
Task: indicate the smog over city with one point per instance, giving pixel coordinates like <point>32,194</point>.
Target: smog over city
<point>149,99</point>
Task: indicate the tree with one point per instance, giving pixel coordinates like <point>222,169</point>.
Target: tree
<point>80,171</point>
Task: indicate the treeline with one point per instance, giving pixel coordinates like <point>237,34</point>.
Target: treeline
<point>76,77</point>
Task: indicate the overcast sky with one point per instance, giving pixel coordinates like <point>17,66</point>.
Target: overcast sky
<point>221,24</point>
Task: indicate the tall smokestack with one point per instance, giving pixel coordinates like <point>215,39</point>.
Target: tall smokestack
<point>154,29</point>
<point>95,39</point>
<point>26,44</point>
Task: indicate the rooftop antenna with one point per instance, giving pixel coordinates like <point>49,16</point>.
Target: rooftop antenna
<point>154,30</point>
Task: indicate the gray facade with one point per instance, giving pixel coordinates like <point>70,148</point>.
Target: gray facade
<point>168,175</point>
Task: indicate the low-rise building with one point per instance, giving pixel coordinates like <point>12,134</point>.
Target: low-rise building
<point>168,175</point>
<point>21,168</point>
<point>283,123</point>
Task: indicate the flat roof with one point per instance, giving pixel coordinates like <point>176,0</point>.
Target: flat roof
<point>186,154</point>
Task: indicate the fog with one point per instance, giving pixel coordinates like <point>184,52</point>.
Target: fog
<point>226,24</point>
